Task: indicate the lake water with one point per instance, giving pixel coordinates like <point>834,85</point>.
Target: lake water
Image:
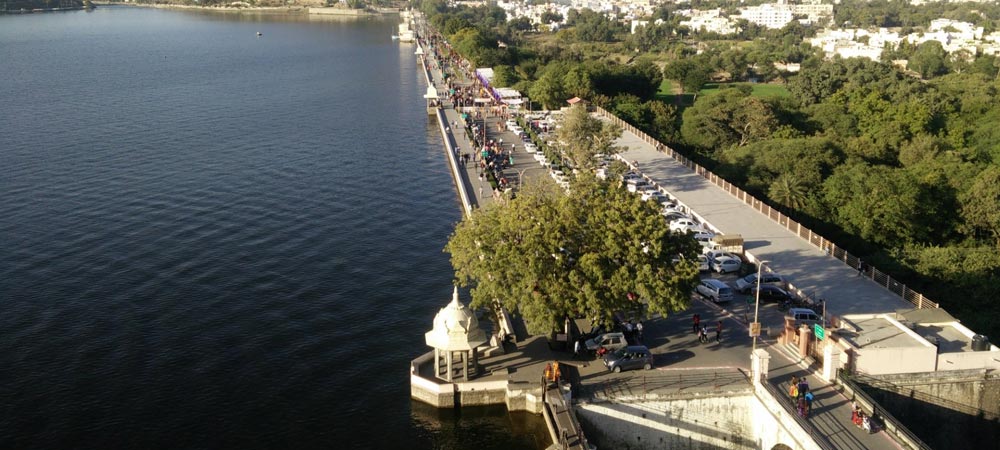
<point>214,240</point>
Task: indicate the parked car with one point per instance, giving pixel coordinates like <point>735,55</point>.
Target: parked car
<point>716,290</point>
<point>770,293</point>
<point>631,357</point>
<point>744,284</point>
<point>804,316</point>
<point>703,236</point>
<point>703,263</point>
<point>712,254</point>
<point>530,148</point>
<point>610,341</point>
<point>637,185</point>
<point>655,195</point>
<point>724,264</point>
<point>672,216</point>
<point>684,225</point>
<point>631,176</point>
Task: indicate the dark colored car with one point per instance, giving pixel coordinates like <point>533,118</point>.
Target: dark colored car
<point>770,293</point>
<point>631,357</point>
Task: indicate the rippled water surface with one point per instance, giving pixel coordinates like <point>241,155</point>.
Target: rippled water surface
<point>214,240</point>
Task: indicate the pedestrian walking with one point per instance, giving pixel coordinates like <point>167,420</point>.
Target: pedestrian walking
<point>638,330</point>
<point>861,267</point>
<point>718,332</point>
<point>703,336</point>
<point>697,321</point>
<point>809,402</point>
<point>576,348</point>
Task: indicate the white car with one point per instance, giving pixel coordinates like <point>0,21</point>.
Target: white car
<point>684,225</point>
<point>637,185</point>
<point>713,254</point>
<point>723,264</point>
<point>656,196</point>
<point>530,148</point>
<point>703,263</point>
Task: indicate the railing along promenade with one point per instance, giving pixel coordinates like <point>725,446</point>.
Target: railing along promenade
<point>832,249</point>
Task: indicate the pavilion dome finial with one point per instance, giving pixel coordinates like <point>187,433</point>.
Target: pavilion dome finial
<point>455,327</point>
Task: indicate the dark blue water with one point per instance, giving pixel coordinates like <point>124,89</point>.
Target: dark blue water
<point>214,240</point>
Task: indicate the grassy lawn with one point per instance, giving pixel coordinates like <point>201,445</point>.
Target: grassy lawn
<point>666,90</point>
<point>759,89</point>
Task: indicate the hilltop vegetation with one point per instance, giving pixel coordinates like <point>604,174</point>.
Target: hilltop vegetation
<point>17,5</point>
<point>901,168</point>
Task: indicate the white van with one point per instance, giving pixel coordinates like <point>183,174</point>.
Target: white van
<point>804,316</point>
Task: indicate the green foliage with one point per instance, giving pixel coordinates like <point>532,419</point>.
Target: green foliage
<point>731,117</point>
<point>929,60</point>
<point>692,73</point>
<point>981,204</point>
<point>548,255</point>
<point>584,135</point>
<point>881,204</point>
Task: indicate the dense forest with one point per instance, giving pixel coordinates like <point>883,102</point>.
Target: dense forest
<point>899,167</point>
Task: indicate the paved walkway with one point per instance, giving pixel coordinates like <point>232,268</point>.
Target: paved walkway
<point>808,268</point>
<point>525,167</point>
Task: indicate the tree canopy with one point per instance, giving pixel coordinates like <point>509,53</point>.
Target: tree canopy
<point>582,136</point>
<point>594,251</point>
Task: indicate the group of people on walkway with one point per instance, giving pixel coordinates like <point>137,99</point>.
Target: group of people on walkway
<point>862,420</point>
<point>801,396</point>
<point>702,329</point>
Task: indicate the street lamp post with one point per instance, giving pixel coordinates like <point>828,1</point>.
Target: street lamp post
<point>755,326</point>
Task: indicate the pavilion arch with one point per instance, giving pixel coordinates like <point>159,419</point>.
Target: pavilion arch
<point>781,447</point>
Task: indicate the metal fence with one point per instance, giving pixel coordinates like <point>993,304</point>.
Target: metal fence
<point>832,249</point>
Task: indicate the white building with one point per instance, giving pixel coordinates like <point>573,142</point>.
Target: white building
<point>953,35</point>
<point>855,43</point>
<point>710,21</point>
<point>768,15</point>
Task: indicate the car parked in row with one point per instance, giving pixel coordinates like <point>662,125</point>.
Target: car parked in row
<point>770,293</point>
<point>684,225</point>
<point>746,283</point>
<point>725,264</point>
<point>716,290</point>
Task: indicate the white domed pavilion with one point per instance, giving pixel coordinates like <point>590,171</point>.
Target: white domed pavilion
<point>455,337</point>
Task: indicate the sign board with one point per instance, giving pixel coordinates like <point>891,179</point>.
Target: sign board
<point>755,329</point>
<point>819,331</point>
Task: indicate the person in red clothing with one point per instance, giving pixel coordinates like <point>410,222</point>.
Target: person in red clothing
<point>718,332</point>
<point>697,323</point>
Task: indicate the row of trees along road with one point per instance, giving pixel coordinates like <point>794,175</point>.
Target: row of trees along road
<point>598,249</point>
<point>899,167</point>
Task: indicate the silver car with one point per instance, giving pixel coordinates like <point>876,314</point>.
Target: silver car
<point>716,290</point>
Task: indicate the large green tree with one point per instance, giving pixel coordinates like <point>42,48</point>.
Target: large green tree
<point>582,136</point>
<point>594,251</point>
<point>730,117</point>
